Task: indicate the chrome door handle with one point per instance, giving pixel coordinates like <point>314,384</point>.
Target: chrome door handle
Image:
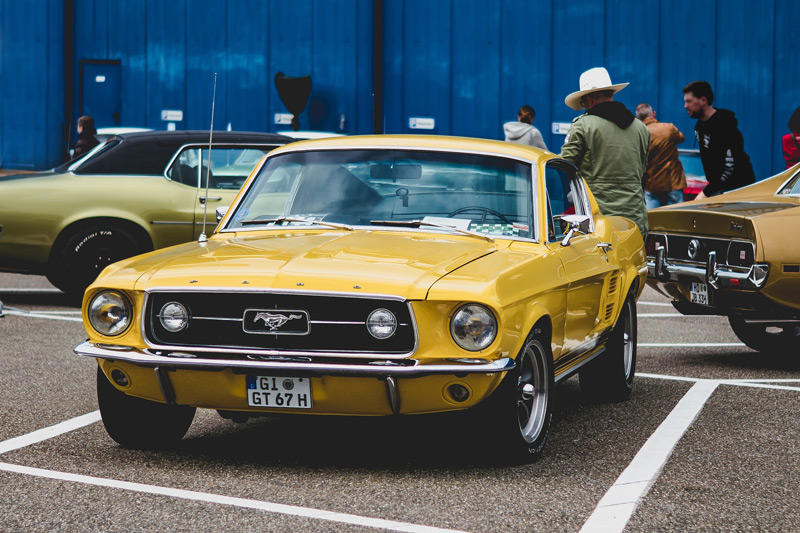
<point>204,199</point>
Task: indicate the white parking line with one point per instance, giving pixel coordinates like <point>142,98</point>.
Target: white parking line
<point>689,344</point>
<point>670,315</point>
<point>18,290</point>
<point>49,432</point>
<point>277,508</point>
<point>41,314</point>
<point>657,304</point>
<point>616,507</point>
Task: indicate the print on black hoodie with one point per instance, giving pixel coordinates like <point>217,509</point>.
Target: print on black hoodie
<point>725,162</point>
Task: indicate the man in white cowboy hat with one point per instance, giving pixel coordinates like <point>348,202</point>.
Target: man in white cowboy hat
<point>609,146</point>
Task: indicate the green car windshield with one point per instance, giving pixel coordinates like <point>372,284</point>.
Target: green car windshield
<point>469,192</point>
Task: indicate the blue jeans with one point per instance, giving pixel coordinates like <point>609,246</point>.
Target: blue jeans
<point>658,199</point>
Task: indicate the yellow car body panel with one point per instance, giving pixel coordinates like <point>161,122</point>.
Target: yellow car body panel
<point>573,292</point>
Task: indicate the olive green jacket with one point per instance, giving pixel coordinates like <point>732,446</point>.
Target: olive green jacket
<point>612,160</point>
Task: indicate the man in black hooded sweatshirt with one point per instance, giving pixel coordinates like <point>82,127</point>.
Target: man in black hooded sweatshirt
<point>725,162</point>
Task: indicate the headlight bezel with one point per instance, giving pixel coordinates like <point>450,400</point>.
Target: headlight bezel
<point>370,324</point>
<point>469,341</point>
<point>97,322</point>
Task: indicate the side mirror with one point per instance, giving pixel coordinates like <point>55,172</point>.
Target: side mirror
<point>571,224</point>
<point>221,212</point>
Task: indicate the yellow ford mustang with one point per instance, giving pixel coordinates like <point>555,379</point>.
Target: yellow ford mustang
<point>376,275</point>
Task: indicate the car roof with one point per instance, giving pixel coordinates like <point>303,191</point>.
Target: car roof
<point>423,142</point>
<point>149,152</point>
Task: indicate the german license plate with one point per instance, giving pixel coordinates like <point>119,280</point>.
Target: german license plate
<point>698,293</point>
<point>279,392</point>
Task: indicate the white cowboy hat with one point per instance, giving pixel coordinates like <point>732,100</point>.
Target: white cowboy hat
<point>593,80</point>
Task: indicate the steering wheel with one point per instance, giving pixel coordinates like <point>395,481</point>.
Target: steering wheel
<point>485,210</point>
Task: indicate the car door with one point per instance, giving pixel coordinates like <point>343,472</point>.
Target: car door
<point>587,267</point>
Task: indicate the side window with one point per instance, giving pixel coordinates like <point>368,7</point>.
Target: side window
<point>565,196</point>
<point>230,166</point>
<point>185,167</point>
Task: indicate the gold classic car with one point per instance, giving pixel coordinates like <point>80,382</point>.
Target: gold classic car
<point>133,193</point>
<point>734,255</point>
<point>376,275</point>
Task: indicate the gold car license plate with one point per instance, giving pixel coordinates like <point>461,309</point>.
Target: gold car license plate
<point>279,392</point>
<point>698,293</point>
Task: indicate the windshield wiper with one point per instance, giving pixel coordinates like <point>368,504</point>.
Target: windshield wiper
<point>281,220</point>
<point>418,223</point>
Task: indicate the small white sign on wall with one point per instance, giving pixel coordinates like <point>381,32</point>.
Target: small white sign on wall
<point>283,118</point>
<point>419,123</point>
<point>171,115</point>
<point>99,79</point>
<point>561,128</point>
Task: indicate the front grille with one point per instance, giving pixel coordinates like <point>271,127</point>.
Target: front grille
<point>304,323</point>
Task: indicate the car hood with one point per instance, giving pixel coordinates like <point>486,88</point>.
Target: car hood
<point>369,262</point>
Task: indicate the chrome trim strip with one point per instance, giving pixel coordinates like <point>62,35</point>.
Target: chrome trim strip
<point>221,319</point>
<point>171,223</point>
<point>147,358</point>
<point>254,351</point>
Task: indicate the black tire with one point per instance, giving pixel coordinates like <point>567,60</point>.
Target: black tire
<point>609,378</point>
<point>783,339</point>
<point>518,414</point>
<point>141,424</point>
<point>80,257</point>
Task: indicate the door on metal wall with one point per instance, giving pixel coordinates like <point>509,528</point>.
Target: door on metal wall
<point>100,91</point>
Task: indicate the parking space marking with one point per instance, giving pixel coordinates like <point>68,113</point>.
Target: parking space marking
<point>277,508</point>
<point>41,314</point>
<point>618,504</point>
<point>22,290</point>
<point>689,344</point>
<point>657,304</point>
<point>664,315</point>
<point>49,432</point>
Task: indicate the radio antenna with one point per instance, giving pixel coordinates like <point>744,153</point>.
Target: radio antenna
<point>203,237</point>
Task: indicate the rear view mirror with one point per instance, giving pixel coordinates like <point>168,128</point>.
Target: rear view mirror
<point>221,212</point>
<point>395,172</point>
<point>572,223</point>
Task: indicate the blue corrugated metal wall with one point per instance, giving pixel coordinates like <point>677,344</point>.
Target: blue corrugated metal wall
<point>31,83</point>
<point>170,51</point>
<point>468,64</point>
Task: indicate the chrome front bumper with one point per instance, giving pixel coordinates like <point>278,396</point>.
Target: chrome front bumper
<point>380,369</point>
<point>713,274</point>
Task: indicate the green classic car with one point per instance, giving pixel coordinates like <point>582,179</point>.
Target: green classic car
<point>133,193</point>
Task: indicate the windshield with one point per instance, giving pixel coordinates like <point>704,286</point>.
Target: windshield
<point>792,186</point>
<point>479,193</point>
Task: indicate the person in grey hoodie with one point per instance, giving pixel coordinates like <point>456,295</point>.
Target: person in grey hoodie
<point>523,131</point>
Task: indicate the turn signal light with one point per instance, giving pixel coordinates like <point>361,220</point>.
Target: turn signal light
<point>654,241</point>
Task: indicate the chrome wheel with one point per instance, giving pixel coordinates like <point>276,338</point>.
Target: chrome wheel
<point>533,392</point>
<point>628,341</point>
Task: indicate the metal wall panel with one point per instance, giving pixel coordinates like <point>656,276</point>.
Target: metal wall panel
<point>31,84</point>
<point>466,64</point>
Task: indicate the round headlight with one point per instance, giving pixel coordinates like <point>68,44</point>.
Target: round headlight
<point>110,313</point>
<point>473,327</point>
<point>381,323</point>
<point>174,317</point>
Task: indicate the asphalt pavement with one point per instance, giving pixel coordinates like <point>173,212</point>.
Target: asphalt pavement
<point>707,442</point>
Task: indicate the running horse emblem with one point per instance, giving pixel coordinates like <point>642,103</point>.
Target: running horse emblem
<point>274,321</point>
